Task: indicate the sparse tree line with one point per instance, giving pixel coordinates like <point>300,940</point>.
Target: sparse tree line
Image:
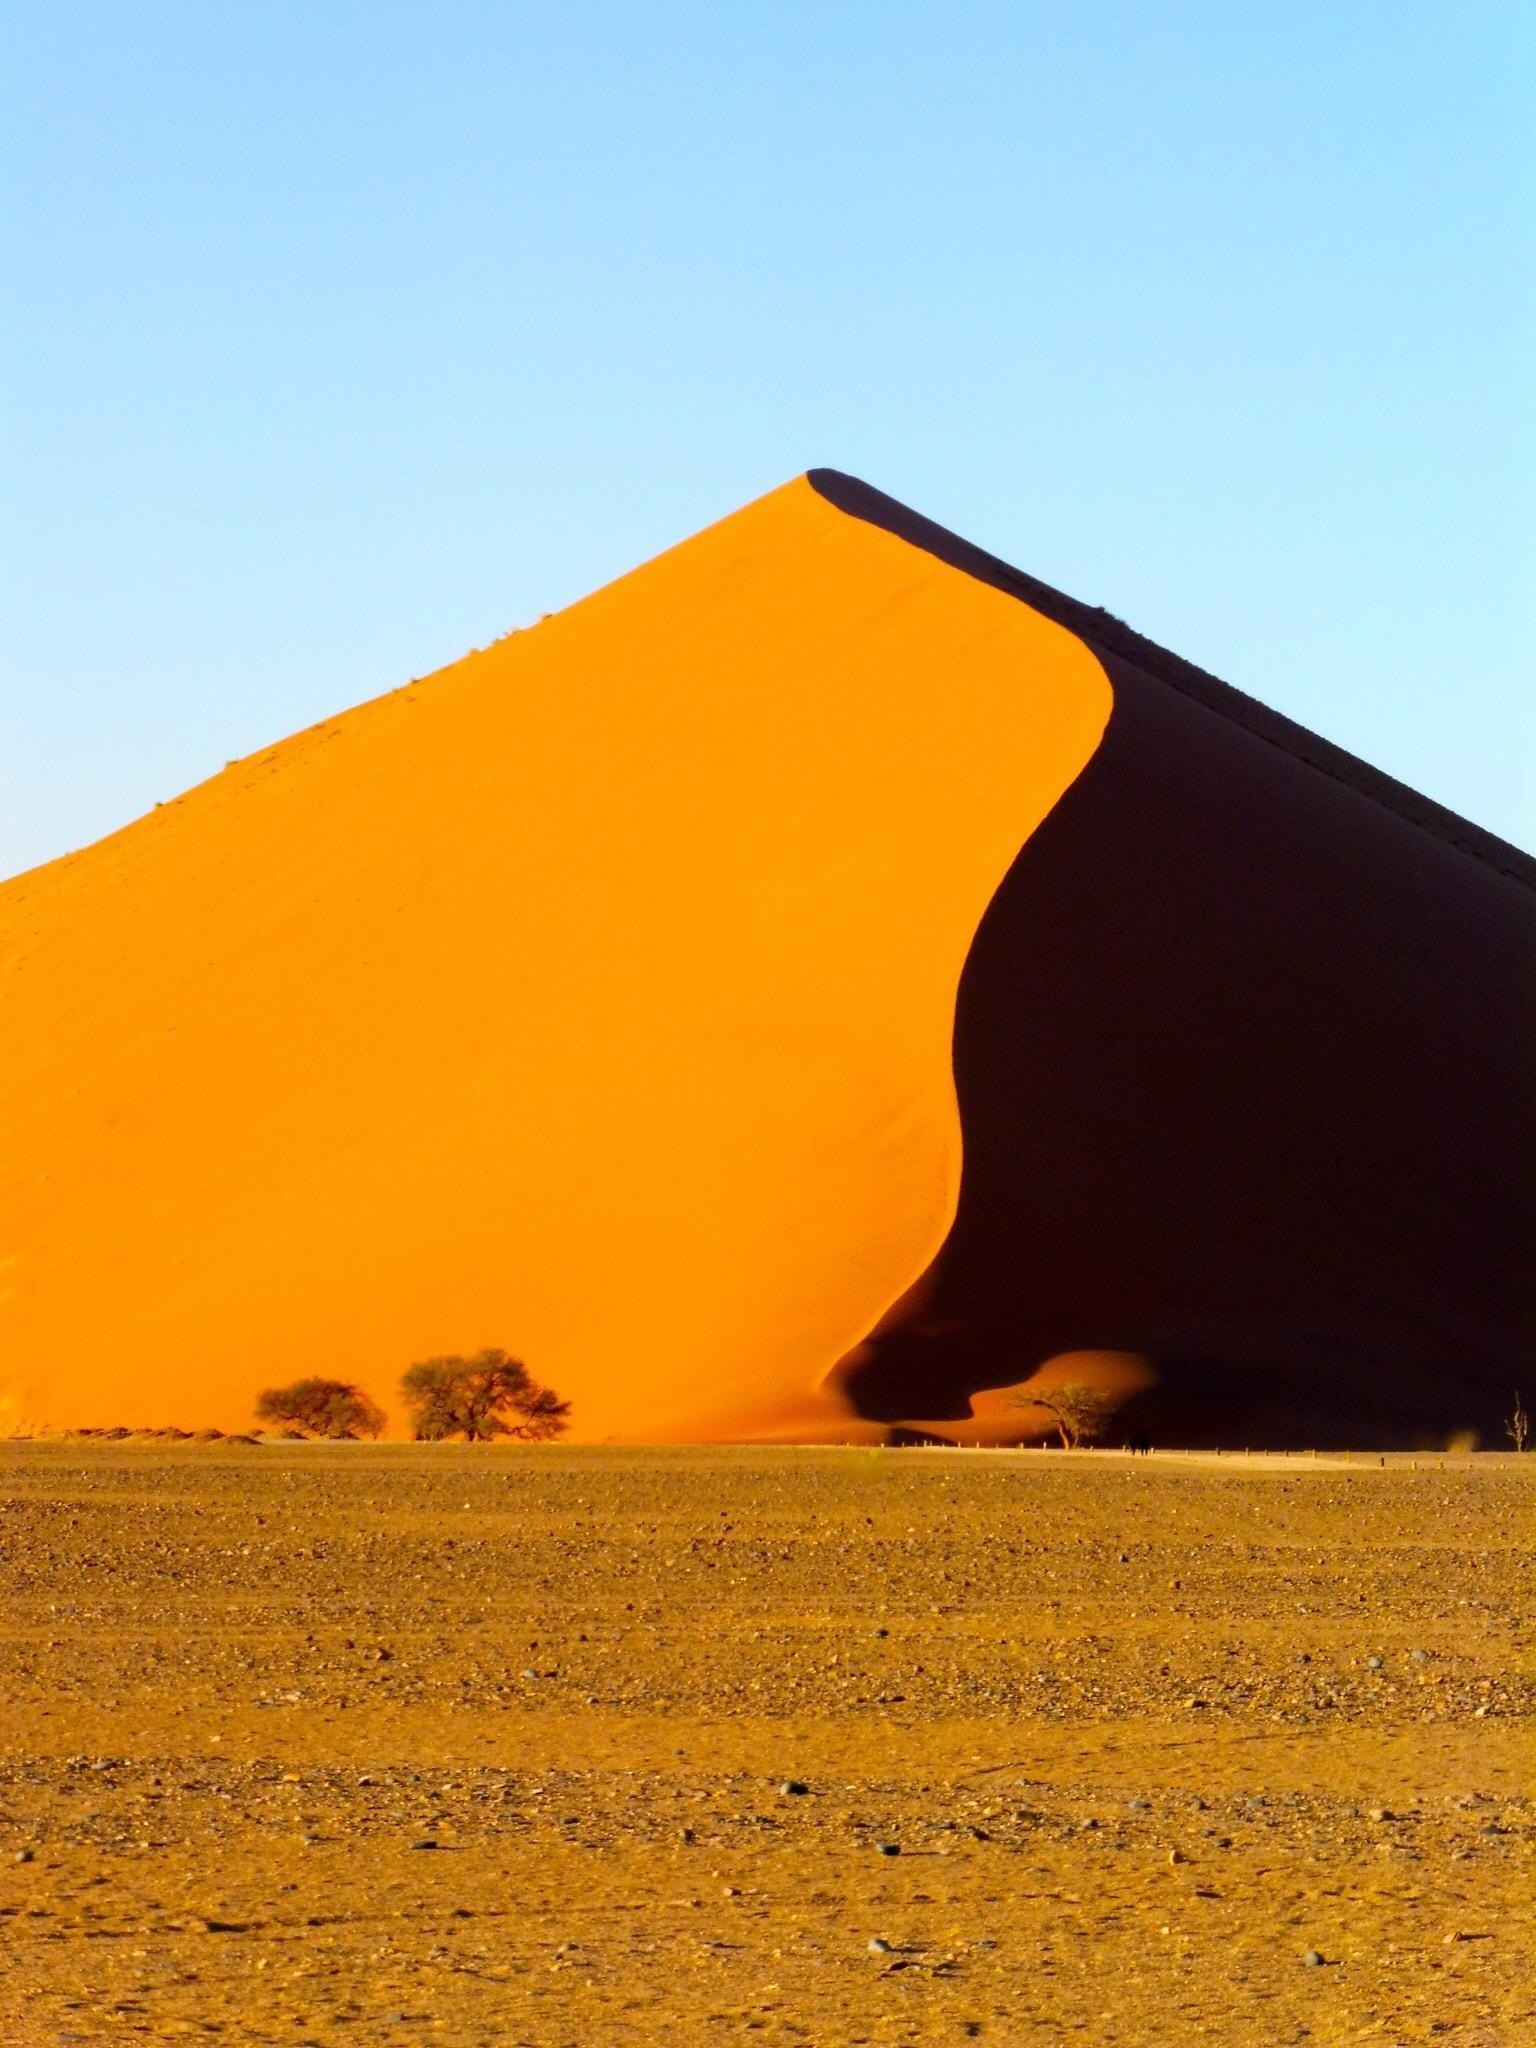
<point>494,1395</point>
<point>489,1395</point>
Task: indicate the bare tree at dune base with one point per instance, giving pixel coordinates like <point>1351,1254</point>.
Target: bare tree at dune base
<point>1080,1412</point>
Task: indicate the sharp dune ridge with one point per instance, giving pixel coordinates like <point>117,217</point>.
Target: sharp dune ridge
<point>1109,635</point>
<point>804,990</point>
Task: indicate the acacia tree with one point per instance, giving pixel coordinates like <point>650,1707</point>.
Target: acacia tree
<point>1078,1410</point>
<point>320,1407</point>
<point>489,1395</point>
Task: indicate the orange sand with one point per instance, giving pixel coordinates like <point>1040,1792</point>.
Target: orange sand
<point>593,998</point>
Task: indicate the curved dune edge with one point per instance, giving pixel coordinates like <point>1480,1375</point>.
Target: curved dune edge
<point>593,997</point>
<point>1242,1056</point>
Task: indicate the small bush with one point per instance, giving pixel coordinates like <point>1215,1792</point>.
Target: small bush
<point>317,1407</point>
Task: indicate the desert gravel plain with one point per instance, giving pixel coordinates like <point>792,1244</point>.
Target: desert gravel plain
<point>396,1743</point>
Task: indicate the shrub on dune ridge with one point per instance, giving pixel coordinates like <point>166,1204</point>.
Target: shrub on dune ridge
<point>321,1407</point>
<point>489,1395</point>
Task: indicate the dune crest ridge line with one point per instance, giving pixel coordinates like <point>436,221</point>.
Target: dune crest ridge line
<point>593,997</point>
<point>1243,1057</point>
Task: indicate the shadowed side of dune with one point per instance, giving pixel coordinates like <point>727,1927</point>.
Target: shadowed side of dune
<point>1242,1053</point>
<point>596,997</point>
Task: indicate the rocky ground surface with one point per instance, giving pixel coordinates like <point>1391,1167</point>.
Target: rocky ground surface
<point>566,1748</point>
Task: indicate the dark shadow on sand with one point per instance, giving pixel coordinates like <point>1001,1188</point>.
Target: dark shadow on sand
<point>1242,1050</point>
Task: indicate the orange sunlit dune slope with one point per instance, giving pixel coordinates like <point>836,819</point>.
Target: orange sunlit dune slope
<point>592,998</point>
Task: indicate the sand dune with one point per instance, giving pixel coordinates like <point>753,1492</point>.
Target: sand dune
<point>597,998</point>
<point>593,998</point>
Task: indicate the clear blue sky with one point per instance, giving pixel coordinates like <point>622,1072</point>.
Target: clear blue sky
<point>341,335</point>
